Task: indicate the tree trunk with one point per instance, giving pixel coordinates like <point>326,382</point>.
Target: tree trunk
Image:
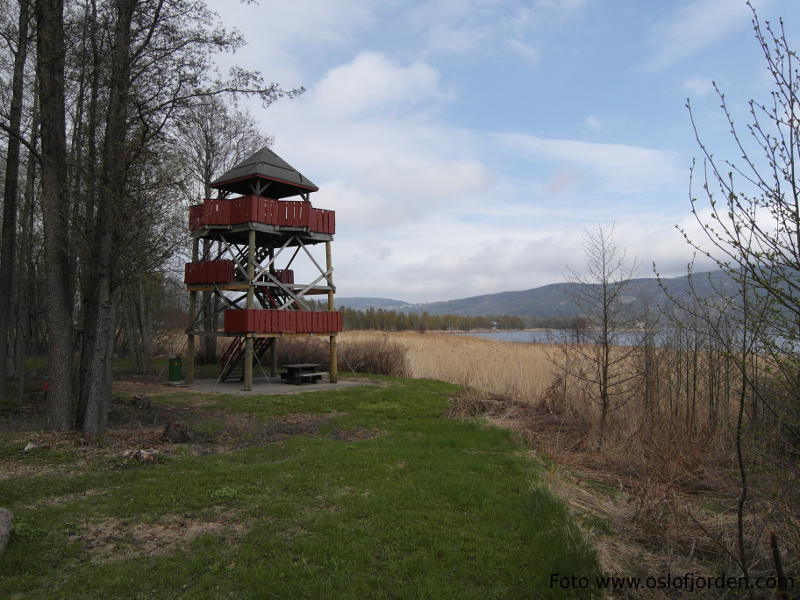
<point>26,296</point>
<point>112,190</point>
<point>145,323</point>
<point>50,73</point>
<point>8,248</point>
<point>88,254</point>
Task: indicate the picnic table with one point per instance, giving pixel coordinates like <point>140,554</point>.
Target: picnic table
<point>300,373</point>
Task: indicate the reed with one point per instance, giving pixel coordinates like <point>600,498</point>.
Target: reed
<point>520,371</point>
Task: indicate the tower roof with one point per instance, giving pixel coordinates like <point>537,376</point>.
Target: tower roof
<point>278,178</point>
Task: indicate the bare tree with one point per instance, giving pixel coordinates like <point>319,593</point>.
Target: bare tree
<point>751,210</point>
<point>749,213</point>
<point>210,139</point>
<point>601,359</point>
<point>55,208</point>
<point>10,195</point>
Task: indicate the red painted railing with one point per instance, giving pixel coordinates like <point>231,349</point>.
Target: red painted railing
<point>282,321</point>
<point>286,213</point>
<point>209,271</point>
<point>284,275</point>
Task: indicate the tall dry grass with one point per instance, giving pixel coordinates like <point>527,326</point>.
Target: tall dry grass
<point>520,371</point>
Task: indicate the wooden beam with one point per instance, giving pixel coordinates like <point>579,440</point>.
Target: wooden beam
<point>193,317</point>
<point>251,272</point>
<point>333,370</point>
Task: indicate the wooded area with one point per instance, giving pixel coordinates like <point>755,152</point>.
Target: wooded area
<point>115,119</point>
<point>389,320</point>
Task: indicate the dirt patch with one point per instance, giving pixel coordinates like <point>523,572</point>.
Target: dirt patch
<point>210,432</point>
<point>569,432</point>
<point>144,385</point>
<point>296,424</point>
<point>138,423</point>
<point>113,539</point>
<point>9,470</point>
<point>355,434</point>
<point>66,498</point>
<point>125,414</point>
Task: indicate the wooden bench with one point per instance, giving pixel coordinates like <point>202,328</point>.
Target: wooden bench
<point>300,373</point>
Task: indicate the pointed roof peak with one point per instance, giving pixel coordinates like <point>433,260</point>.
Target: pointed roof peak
<point>267,174</point>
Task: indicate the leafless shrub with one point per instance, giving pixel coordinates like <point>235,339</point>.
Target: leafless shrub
<point>372,355</point>
<point>303,350</point>
<point>378,356</point>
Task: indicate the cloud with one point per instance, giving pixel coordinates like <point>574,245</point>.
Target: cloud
<point>440,260</point>
<point>430,211</point>
<point>620,168</point>
<point>442,180</point>
<point>469,26</point>
<point>523,50</point>
<point>695,25</point>
<point>426,211</point>
<point>699,86</point>
<point>563,180</point>
<point>371,82</point>
<point>563,6</point>
<point>278,33</point>
<point>593,123</point>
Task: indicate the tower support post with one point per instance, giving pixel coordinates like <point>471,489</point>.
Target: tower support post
<point>192,315</point>
<point>251,274</point>
<point>333,369</point>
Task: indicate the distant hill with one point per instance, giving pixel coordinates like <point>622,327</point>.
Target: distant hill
<point>553,300</point>
<point>361,303</point>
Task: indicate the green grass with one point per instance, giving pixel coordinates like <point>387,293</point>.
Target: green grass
<point>428,508</point>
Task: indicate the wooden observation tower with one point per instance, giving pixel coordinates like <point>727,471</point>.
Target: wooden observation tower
<point>256,237</point>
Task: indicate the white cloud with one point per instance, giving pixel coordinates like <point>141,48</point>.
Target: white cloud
<point>593,122</point>
<point>441,259</point>
<point>523,50</point>
<point>486,26</point>
<point>371,82</point>
<point>695,25</point>
<point>564,6</point>
<point>620,168</point>
<point>563,180</point>
<point>698,86</point>
<point>442,180</point>
<point>277,32</point>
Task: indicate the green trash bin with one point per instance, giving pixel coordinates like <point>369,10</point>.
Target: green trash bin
<point>175,367</point>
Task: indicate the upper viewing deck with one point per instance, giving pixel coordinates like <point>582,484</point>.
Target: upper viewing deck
<point>267,211</point>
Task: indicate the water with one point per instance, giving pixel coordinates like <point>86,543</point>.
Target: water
<point>663,338</point>
<point>620,338</point>
<point>535,337</point>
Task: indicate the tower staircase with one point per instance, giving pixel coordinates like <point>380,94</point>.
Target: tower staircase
<point>232,360</point>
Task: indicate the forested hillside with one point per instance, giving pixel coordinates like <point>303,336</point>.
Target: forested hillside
<point>557,300</point>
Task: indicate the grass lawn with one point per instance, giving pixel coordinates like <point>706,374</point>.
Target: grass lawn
<point>361,493</point>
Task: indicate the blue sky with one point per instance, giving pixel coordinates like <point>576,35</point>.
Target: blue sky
<point>467,144</point>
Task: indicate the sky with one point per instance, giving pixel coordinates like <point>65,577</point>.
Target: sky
<point>468,145</point>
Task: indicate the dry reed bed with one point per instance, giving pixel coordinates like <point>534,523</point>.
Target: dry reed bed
<point>520,371</point>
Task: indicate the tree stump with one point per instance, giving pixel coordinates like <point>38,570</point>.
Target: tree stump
<point>176,433</point>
